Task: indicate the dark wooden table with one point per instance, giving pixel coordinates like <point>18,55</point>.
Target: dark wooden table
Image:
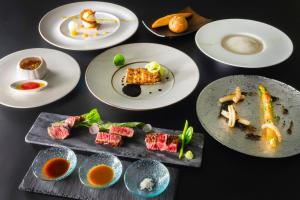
<point>225,174</point>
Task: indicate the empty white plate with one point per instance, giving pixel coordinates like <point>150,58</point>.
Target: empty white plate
<point>105,80</point>
<point>62,76</point>
<point>117,25</point>
<point>244,43</point>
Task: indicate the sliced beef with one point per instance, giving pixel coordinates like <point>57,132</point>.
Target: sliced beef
<point>58,131</point>
<point>150,141</point>
<point>72,121</point>
<point>162,142</point>
<point>109,139</point>
<point>172,143</point>
<point>121,130</point>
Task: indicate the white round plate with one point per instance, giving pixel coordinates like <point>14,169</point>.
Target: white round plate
<point>276,45</point>
<point>105,80</point>
<point>62,76</point>
<point>118,25</point>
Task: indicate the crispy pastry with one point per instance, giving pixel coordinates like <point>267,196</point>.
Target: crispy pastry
<point>141,76</point>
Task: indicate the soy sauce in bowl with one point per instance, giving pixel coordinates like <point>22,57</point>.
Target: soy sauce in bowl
<point>55,167</point>
<point>100,175</point>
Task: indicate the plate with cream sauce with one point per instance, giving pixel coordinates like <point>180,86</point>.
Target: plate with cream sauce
<point>244,43</point>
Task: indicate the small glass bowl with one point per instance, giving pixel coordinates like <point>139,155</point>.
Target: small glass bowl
<point>102,158</point>
<point>147,168</point>
<point>53,152</point>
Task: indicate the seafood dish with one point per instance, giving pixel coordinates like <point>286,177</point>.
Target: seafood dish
<point>269,132</point>
<point>152,74</point>
<point>142,76</point>
<point>231,113</point>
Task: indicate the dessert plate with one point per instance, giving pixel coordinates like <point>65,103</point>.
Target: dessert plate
<point>116,25</point>
<point>105,80</point>
<point>208,112</point>
<point>62,76</point>
<point>244,43</point>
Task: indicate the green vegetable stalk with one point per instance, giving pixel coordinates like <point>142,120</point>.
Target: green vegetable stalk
<point>182,138</point>
<point>185,137</point>
<point>106,126</point>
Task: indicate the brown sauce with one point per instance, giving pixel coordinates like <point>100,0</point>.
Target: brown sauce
<point>247,129</point>
<point>30,63</point>
<point>55,167</point>
<point>252,136</point>
<point>100,175</point>
<point>290,129</point>
<point>274,99</point>
<point>132,90</point>
<point>249,93</point>
<point>284,110</point>
<point>283,124</point>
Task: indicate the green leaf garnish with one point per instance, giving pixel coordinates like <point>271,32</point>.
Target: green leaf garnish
<point>90,118</point>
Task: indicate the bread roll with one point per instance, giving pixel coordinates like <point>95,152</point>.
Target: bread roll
<point>178,24</point>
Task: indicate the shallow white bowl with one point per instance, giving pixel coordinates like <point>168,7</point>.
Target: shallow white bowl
<point>15,84</point>
<point>277,46</point>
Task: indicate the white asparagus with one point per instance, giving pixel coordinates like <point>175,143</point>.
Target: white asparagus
<point>232,116</point>
<point>243,121</point>
<point>238,95</point>
<point>230,98</point>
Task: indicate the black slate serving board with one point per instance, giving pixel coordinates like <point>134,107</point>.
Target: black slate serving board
<point>71,186</point>
<point>82,140</point>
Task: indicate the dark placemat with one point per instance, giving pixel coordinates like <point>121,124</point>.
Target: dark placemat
<point>71,186</point>
<point>80,139</point>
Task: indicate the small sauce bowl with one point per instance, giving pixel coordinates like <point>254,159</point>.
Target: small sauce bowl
<point>146,168</point>
<point>31,68</point>
<point>38,165</point>
<point>34,85</point>
<point>101,158</point>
